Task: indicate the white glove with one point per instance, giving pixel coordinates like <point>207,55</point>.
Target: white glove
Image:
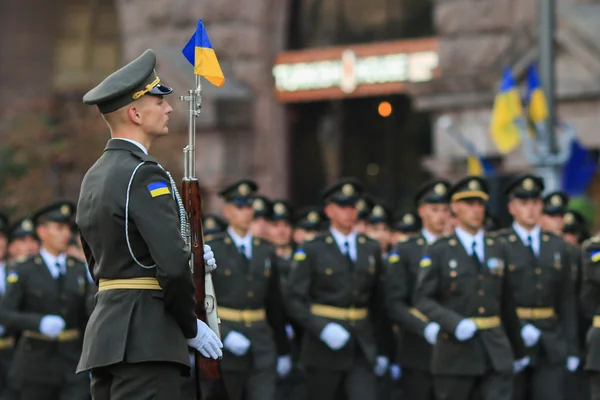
<point>284,366</point>
<point>465,330</point>
<point>520,365</point>
<point>206,342</point>
<point>395,372</point>
<point>52,325</point>
<point>381,365</point>
<point>237,343</point>
<point>530,335</point>
<point>431,331</point>
<point>572,363</point>
<point>209,259</point>
<point>289,331</point>
<point>334,335</point>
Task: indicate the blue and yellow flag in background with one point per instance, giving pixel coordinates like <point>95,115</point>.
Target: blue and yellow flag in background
<point>535,98</point>
<point>199,52</point>
<point>507,107</point>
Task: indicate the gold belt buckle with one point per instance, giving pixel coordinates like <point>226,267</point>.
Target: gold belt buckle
<point>245,317</point>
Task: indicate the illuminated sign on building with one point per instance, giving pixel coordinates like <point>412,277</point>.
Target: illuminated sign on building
<point>360,70</point>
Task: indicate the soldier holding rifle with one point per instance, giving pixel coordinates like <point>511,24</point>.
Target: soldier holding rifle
<point>135,344</point>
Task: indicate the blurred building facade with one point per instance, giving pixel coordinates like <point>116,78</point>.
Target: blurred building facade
<point>292,148</point>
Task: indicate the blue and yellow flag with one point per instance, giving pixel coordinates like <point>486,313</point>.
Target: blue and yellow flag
<point>507,108</point>
<point>199,52</point>
<point>535,98</point>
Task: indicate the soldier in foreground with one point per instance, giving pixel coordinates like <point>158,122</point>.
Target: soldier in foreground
<point>136,341</point>
<point>463,286</point>
<point>541,282</point>
<point>333,293</point>
<point>250,304</point>
<point>46,299</point>
<point>418,334</point>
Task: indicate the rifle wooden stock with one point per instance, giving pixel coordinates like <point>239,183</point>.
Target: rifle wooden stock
<point>209,380</point>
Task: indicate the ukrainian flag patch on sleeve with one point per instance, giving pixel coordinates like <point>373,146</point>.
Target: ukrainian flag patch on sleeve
<point>299,255</point>
<point>595,257</point>
<point>12,277</point>
<point>394,257</point>
<point>425,262</point>
<point>158,189</point>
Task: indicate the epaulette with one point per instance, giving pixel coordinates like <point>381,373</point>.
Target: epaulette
<point>503,232</point>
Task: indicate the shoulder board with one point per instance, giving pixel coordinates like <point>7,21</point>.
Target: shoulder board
<point>319,237</point>
<point>140,155</point>
<point>216,237</point>
<point>503,232</point>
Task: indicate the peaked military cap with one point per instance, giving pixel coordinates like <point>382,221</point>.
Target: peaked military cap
<point>241,193</point>
<point>433,192</point>
<point>525,186</point>
<point>127,84</point>
<point>21,228</point>
<point>4,224</point>
<point>365,205</point>
<point>282,211</point>
<point>346,191</point>
<point>262,206</point>
<point>555,203</point>
<point>408,222</point>
<point>470,187</point>
<point>309,218</point>
<point>62,211</point>
<point>575,223</point>
<point>213,223</point>
<point>380,213</point>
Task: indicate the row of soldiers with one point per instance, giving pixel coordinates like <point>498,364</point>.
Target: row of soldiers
<point>46,299</point>
<point>344,302</point>
<point>341,301</point>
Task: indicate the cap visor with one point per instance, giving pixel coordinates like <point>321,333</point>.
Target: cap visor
<point>161,90</point>
<point>241,202</point>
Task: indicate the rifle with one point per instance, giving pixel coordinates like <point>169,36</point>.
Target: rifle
<point>207,372</point>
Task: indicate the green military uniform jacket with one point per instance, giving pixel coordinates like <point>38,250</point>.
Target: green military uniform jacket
<point>545,282</point>
<point>32,293</point>
<point>450,288</point>
<point>590,299</point>
<point>252,287</point>
<point>584,322</point>
<point>135,325</point>
<point>321,275</point>
<point>400,280</point>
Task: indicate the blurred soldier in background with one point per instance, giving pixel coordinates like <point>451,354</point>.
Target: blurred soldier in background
<point>405,225</point>
<point>540,279</point>
<point>418,334</point>
<point>22,241</point>
<point>259,227</point>
<point>308,222</point>
<point>379,227</point>
<point>364,205</point>
<point>554,208</point>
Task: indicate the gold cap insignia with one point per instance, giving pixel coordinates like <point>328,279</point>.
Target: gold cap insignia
<point>528,184</point>
<point>378,211</point>
<point>408,219</point>
<point>313,217</point>
<point>569,218</point>
<point>361,205</point>
<point>27,225</point>
<point>556,200</point>
<point>65,210</point>
<point>244,189</point>
<point>439,189</point>
<point>474,185</point>
<point>279,209</point>
<point>210,223</point>
<point>347,190</point>
<point>258,204</point>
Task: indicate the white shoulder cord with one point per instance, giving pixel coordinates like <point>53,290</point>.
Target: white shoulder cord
<point>184,226</point>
